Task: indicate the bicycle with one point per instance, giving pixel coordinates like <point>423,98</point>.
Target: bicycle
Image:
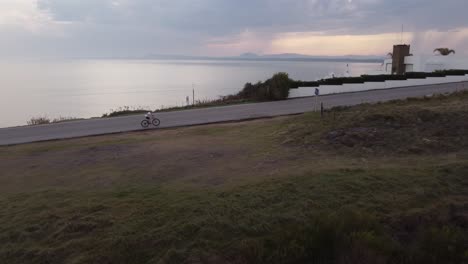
<point>150,119</point>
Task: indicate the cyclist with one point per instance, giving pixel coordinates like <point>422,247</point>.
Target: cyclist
<point>149,116</point>
<point>150,119</point>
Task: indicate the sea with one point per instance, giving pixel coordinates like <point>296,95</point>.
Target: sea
<point>91,88</point>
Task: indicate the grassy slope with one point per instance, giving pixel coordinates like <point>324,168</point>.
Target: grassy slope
<point>369,184</point>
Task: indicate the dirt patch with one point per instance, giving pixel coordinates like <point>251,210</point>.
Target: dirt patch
<point>421,131</point>
<point>206,155</point>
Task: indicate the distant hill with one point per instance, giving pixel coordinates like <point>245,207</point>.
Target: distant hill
<point>249,55</point>
<point>272,57</point>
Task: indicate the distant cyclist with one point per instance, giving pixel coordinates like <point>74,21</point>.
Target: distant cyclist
<point>149,116</point>
<point>150,119</point>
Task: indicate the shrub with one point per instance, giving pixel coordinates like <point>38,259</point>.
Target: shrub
<point>331,82</point>
<point>453,72</point>
<point>383,78</point>
<point>275,88</point>
<point>333,238</point>
<point>435,74</point>
<point>308,84</point>
<point>353,80</point>
<point>446,244</point>
<point>249,91</point>
<point>38,121</point>
<point>295,84</point>
<point>341,80</point>
<point>374,78</point>
<point>126,110</point>
<point>64,119</point>
<point>395,77</point>
<point>278,86</point>
<point>416,75</point>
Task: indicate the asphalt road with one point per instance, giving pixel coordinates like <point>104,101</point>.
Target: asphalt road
<point>27,134</point>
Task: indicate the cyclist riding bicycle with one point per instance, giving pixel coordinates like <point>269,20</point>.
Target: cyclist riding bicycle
<point>149,116</point>
<point>150,119</point>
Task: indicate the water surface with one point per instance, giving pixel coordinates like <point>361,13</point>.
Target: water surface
<point>89,88</point>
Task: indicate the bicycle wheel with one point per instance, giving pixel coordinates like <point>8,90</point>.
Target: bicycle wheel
<point>156,122</point>
<point>145,123</point>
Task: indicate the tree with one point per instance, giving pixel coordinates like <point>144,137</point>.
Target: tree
<point>275,88</point>
<point>444,51</point>
<point>278,86</point>
<point>248,91</point>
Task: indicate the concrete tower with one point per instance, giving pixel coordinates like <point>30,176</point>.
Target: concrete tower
<point>399,54</point>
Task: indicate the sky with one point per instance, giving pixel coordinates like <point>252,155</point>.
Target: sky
<point>121,28</point>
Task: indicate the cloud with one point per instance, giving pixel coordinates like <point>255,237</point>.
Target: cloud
<point>224,27</point>
<point>313,43</point>
<point>22,15</point>
<point>208,16</point>
<point>220,16</point>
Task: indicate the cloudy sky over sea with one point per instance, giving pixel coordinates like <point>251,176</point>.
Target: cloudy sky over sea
<point>107,28</point>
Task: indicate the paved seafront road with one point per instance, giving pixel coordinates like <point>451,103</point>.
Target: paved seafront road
<point>27,134</point>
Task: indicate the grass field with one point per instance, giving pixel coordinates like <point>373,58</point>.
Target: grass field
<point>385,183</point>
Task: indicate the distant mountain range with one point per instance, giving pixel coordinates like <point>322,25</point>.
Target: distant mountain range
<point>271,57</point>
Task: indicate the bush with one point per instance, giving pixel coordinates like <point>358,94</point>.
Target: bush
<point>275,88</point>
<point>62,119</point>
<point>250,90</point>
<point>38,121</point>
<point>374,78</point>
<point>278,86</point>
<point>453,72</point>
<point>341,80</point>
<point>307,84</point>
<point>295,84</point>
<point>333,81</point>
<point>416,75</point>
<point>445,244</point>
<point>383,78</point>
<point>126,110</point>
<point>353,80</point>
<point>396,77</point>
<point>435,74</point>
<point>344,237</point>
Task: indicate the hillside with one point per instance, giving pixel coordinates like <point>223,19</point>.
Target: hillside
<point>384,183</point>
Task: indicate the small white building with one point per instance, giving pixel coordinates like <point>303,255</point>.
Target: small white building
<point>402,62</point>
<point>426,63</point>
<point>430,63</point>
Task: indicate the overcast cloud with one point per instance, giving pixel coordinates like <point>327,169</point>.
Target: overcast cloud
<point>90,28</point>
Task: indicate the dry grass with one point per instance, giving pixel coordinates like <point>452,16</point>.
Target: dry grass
<point>266,191</point>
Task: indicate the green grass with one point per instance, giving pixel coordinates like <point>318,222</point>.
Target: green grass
<point>268,191</point>
<point>300,218</point>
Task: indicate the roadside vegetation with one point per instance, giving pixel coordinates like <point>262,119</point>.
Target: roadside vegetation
<point>378,78</point>
<point>275,88</point>
<point>43,120</point>
<point>279,85</point>
<point>126,110</point>
<point>223,101</point>
<point>384,183</point>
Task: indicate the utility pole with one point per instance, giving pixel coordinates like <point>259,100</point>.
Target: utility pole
<point>317,93</point>
<point>193,94</point>
<point>321,110</point>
